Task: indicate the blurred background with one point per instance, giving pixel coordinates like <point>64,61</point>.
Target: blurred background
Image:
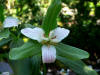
<point>81,17</point>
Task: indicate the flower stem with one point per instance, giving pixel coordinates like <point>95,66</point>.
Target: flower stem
<point>44,69</point>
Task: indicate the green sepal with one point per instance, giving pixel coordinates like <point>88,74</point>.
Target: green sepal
<point>28,49</point>
<point>70,52</point>
<point>77,66</point>
<point>49,22</point>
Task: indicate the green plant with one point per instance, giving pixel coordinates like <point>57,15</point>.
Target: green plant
<point>45,35</point>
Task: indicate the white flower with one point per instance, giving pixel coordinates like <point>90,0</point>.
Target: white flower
<point>10,22</point>
<point>5,73</point>
<point>55,36</point>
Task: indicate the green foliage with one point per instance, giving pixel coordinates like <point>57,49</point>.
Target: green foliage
<point>31,66</point>
<point>36,63</point>
<point>29,26</point>
<point>77,66</point>
<point>21,67</point>
<point>16,43</point>
<point>4,33</point>
<point>49,21</point>
<point>1,13</point>
<point>26,50</point>
<point>71,52</point>
<point>4,41</point>
<point>84,34</point>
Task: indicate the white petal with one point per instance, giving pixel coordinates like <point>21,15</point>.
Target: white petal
<point>10,22</point>
<point>48,54</point>
<point>35,33</point>
<point>58,34</point>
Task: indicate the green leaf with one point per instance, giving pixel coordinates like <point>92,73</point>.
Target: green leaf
<point>49,21</point>
<point>3,55</point>
<point>21,67</point>
<point>1,13</point>
<point>26,50</point>
<point>36,62</point>
<point>29,26</point>
<point>77,66</point>
<point>16,43</point>
<point>4,33</point>
<point>4,41</point>
<point>71,52</point>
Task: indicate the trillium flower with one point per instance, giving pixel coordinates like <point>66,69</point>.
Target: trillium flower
<point>48,49</point>
<point>10,22</point>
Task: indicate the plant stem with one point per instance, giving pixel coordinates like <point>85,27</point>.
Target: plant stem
<point>44,69</point>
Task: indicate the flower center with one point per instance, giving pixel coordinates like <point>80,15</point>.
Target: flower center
<point>53,37</point>
<point>47,40</point>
